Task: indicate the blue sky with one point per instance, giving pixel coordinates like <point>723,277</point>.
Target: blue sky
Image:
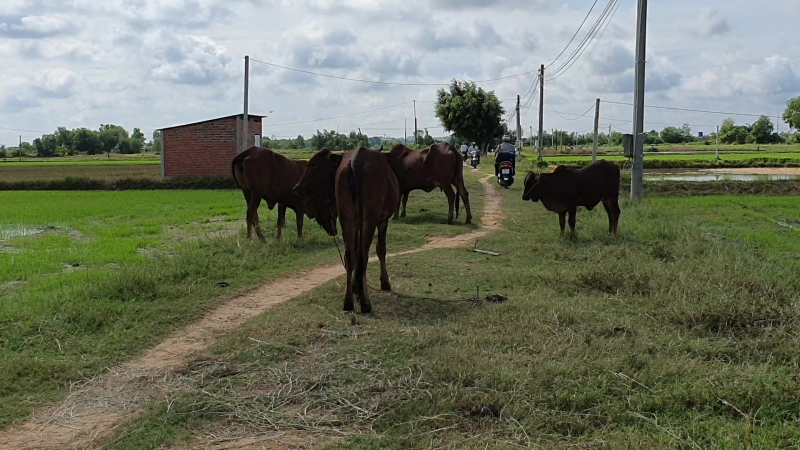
<point>155,63</point>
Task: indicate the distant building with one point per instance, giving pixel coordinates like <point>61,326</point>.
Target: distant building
<point>206,148</point>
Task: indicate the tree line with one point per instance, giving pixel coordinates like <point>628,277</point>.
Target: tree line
<point>83,141</point>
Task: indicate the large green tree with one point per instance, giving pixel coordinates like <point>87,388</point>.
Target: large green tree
<point>470,112</point>
<point>762,130</point>
<point>792,113</point>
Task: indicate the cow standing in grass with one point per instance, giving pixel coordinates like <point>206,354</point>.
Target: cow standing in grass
<point>438,166</point>
<point>366,196</point>
<point>565,189</point>
<point>262,174</point>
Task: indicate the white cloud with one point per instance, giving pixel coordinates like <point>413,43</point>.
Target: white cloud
<point>152,63</point>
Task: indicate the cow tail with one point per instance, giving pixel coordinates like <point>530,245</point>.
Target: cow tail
<point>356,170</point>
<point>238,163</point>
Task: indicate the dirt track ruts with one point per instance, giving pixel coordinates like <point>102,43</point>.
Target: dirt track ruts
<point>93,410</point>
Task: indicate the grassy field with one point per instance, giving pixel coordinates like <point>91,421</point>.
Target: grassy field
<point>85,160</point>
<point>680,333</point>
<point>48,171</point>
<point>666,157</point>
<point>89,279</point>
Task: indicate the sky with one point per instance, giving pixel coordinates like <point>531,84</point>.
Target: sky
<point>158,63</point>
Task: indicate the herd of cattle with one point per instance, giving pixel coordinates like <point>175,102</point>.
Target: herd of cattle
<point>363,188</point>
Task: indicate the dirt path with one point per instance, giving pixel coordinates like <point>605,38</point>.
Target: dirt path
<point>93,410</point>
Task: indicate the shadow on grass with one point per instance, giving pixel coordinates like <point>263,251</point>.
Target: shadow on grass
<point>423,310</point>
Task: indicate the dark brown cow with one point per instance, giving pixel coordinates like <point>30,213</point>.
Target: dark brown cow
<point>438,166</point>
<point>565,189</point>
<point>366,195</point>
<point>263,174</point>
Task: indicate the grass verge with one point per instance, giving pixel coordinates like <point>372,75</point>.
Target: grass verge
<point>99,277</point>
<point>679,333</point>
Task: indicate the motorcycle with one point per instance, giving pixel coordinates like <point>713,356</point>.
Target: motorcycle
<point>506,176</point>
<point>474,160</point>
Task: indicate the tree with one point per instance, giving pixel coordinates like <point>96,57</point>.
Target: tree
<point>110,136</point>
<point>155,143</point>
<point>300,142</point>
<point>792,113</point>
<point>424,138</point>
<point>87,141</point>
<point>672,135</point>
<point>762,130</point>
<point>470,112</point>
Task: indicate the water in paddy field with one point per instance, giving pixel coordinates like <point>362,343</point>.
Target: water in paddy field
<point>712,175</point>
<point>12,231</point>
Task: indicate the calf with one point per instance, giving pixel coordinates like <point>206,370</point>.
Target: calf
<point>565,189</point>
<point>366,196</point>
<point>263,174</point>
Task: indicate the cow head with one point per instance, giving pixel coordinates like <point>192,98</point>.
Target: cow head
<point>317,188</point>
<point>532,187</point>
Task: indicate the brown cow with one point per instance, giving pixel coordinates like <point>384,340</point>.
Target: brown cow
<point>263,174</point>
<point>367,194</point>
<point>565,189</point>
<point>438,166</point>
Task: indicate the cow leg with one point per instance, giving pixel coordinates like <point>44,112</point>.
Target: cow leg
<point>281,219</point>
<point>572,213</point>
<point>611,204</point>
<point>350,254</point>
<point>299,218</point>
<point>462,191</point>
<point>404,200</point>
<point>362,290</point>
<point>252,218</point>
<point>381,250</point>
<point>562,221</point>
<point>451,200</point>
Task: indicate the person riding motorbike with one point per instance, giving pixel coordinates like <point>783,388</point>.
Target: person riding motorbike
<point>464,150</point>
<point>474,153</point>
<point>505,152</point>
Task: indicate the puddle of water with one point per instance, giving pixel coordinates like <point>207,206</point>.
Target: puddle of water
<point>12,231</point>
<point>700,175</point>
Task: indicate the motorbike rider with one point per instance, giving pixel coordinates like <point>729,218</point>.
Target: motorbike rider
<point>464,149</point>
<point>474,153</point>
<point>505,152</point>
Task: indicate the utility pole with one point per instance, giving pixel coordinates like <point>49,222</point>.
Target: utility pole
<point>716,152</point>
<point>560,140</point>
<point>531,135</point>
<point>609,134</point>
<point>405,131</point>
<point>246,123</point>
<point>541,112</point>
<point>519,128</point>
<point>637,171</point>
<point>596,125</point>
<point>19,149</point>
<point>415,123</point>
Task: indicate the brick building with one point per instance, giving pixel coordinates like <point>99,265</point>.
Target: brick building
<point>206,148</point>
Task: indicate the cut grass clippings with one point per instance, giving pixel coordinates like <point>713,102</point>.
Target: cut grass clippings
<point>680,333</point>
<point>107,275</point>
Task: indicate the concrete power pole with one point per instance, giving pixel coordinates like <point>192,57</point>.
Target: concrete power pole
<point>19,149</point>
<point>246,123</point>
<point>519,129</point>
<point>716,152</point>
<point>541,112</point>
<point>405,131</point>
<point>637,172</point>
<point>415,123</point>
<point>596,126</point>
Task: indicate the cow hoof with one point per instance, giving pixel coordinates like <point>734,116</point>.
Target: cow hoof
<point>348,308</point>
<point>386,286</point>
<point>366,308</point>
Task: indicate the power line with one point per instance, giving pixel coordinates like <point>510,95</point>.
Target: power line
<point>596,41</point>
<point>28,131</point>
<point>584,43</point>
<point>335,117</point>
<point>689,110</point>
<point>361,80</point>
<point>573,36</point>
